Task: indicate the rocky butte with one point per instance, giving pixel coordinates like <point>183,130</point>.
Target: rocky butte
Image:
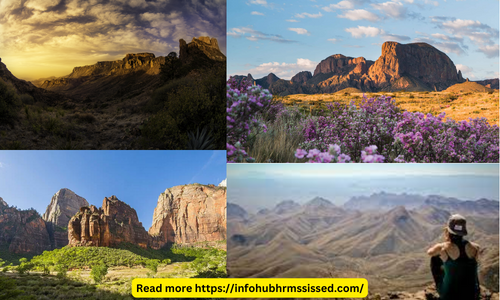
<point>412,67</point>
<point>22,231</point>
<point>114,223</point>
<point>189,214</point>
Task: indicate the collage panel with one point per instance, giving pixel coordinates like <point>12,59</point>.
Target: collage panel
<point>363,81</point>
<point>406,228</point>
<point>112,74</point>
<point>85,224</point>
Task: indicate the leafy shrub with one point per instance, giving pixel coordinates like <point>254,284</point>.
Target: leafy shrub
<point>9,103</point>
<point>62,271</point>
<point>24,266</point>
<point>98,272</point>
<point>26,99</point>
<point>152,264</point>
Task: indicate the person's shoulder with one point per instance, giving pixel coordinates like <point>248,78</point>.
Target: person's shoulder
<point>474,246</point>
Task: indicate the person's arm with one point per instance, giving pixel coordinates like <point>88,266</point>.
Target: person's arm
<point>435,250</point>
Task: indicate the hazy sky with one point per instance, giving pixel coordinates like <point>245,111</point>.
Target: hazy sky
<point>43,38</point>
<point>256,186</point>
<point>31,178</point>
<point>291,36</point>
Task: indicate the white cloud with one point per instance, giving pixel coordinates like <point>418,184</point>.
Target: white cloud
<point>303,15</point>
<point>258,2</point>
<point>283,70</point>
<point>344,4</point>
<point>256,13</point>
<point>490,51</point>
<point>463,68</point>
<point>334,40</point>
<point>395,37</point>
<point>292,21</point>
<point>300,31</point>
<point>255,35</point>
<point>392,9</point>
<point>1,165</point>
<point>366,31</point>
<point>359,14</point>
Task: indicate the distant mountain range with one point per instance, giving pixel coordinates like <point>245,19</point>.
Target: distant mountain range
<point>386,245</point>
<point>410,67</point>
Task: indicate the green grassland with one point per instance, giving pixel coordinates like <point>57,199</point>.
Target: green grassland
<point>66,273</point>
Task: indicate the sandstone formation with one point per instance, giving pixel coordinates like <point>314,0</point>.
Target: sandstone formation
<point>63,205</point>
<point>188,214</point>
<point>22,231</point>
<point>114,223</point>
<point>412,67</point>
<point>205,45</point>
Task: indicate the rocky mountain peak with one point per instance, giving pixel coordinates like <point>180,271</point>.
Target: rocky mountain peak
<point>398,215</point>
<point>202,46</point>
<point>320,202</point>
<point>286,206</point>
<point>63,205</point>
<point>3,203</point>
<point>302,77</point>
<point>188,214</point>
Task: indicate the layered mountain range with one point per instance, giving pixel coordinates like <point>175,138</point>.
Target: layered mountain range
<point>387,245</point>
<point>411,67</point>
<point>128,77</point>
<point>184,214</point>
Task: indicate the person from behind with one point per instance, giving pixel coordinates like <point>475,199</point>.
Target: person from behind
<point>454,263</point>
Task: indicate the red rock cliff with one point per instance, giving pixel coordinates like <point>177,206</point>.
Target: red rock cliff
<point>188,214</point>
<point>114,223</point>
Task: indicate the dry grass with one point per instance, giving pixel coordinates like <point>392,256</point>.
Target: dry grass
<point>457,105</point>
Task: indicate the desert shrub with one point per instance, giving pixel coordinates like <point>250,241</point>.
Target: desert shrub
<point>84,118</point>
<point>490,92</point>
<point>98,272</point>
<point>451,97</point>
<point>8,288</point>
<point>26,99</point>
<point>411,96</point>
<point>186,105</point>
<point>9,103</point>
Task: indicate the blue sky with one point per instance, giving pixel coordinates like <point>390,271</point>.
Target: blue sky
<point>288,37</point>
<point>31,178</point>
<point>256,186</point>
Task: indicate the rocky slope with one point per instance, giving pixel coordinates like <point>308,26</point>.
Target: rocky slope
<point>131,76</point>
<point>412,67</point>
<point>188,214</point>
<point>22,231</point>
<point>114,223</point>
<point>26,87</point>
<point>63,205</point>
<point>386,246</point>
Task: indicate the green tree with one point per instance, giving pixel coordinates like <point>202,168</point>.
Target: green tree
<point>98,272</point>
<point>25,266</point>
<point>152,264</point>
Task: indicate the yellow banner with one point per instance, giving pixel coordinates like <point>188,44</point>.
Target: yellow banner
<point>249,287</point>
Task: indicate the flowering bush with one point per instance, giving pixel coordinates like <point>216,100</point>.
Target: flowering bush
<point>376,131</point>
<point>244,103</point>
<point>354,128</point>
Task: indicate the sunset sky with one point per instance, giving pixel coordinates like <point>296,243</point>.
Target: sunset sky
<point>291,36</point>
<point>43,38</point>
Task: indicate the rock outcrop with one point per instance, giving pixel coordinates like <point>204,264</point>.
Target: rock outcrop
<point>223,183</point>
<point>189,214</point>
<point>114,223</point>
<point>490,83</point>
<point>413,67</point>
<point>301,77</point>
<point>420,61</point>
<point>267,81</point>
<point>22,231</point>
<point>202,46</point>
<point>63,205</point>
